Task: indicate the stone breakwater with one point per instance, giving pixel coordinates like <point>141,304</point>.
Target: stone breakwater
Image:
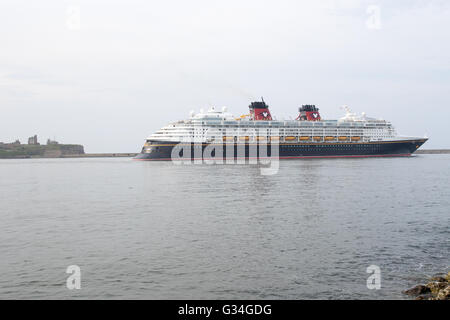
<point>102,155</point>
<point>438,288</point>
<point>433,151</point>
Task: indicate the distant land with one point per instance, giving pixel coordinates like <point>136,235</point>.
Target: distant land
<point>34,149</point>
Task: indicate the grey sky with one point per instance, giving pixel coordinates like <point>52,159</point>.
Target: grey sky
<point>131,67</point>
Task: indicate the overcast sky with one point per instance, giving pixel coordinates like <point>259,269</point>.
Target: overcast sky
<point>106,74</point>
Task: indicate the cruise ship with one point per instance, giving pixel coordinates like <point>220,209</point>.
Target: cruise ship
<point>217,134</point>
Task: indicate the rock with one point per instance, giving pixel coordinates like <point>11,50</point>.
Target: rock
<point>438,279</point>
<point>444,294</point>
<point>417,290</point>
<point>437,289</point>
<point>435,286</point>
<point>448,276</point>
<point>427,296</point>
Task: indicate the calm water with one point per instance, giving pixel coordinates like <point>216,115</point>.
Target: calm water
<point>156,230</point>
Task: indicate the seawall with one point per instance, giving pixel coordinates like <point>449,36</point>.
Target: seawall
<point>131,155</point>
<point>102,155</point>
<point>433,151</point>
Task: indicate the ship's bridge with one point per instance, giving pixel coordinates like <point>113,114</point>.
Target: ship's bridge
<point>363,118</point>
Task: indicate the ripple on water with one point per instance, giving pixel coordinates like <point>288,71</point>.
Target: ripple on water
<point>155,230</point>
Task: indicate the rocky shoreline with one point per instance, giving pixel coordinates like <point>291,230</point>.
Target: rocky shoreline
<point>438,288</point>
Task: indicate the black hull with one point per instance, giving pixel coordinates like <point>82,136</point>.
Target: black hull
<point>163,150</point>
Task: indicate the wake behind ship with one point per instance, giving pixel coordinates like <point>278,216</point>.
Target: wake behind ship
<point>217,134</point>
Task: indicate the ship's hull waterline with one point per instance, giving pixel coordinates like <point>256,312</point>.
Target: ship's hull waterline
<point>162,150</point>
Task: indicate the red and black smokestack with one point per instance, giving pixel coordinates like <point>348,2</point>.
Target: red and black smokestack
<point>259,110</point>
<point>309,112</point>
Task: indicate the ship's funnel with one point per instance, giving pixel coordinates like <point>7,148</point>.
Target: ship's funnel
<point>309,112</point>
<point>259,110</point>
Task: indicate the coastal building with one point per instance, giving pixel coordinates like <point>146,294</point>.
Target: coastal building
<point>17,142</point>
<point>52,142</point>
<point>33,140</point>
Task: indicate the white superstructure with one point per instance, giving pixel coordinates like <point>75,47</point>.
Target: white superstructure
<point>219,124</point>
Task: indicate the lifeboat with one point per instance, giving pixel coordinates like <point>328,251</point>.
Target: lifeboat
<point>317,138</point>
<point>246,138</point>
<point>242,117</point>
<point>228,138</point>
<point>261,138</point>
<point>343,138</point>
<point>290,138</point>
<point>274,138</point>
<point>305,138</point>
<point>356,138</point>
<point>330,138</point>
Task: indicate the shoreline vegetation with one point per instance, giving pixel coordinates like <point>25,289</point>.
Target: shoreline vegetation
<point>438,288</point>
<point>77,151</point>
<point>36,150</point>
